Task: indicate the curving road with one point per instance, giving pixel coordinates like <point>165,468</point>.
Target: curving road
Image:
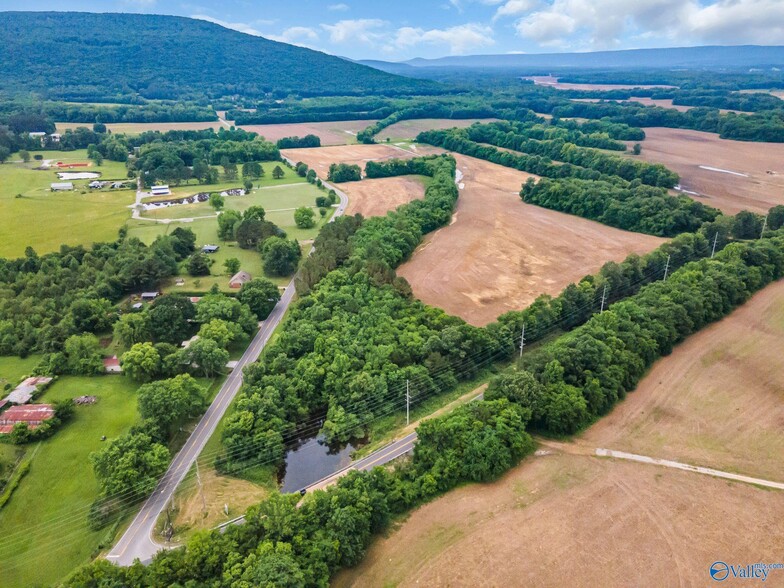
<point>137,541</point>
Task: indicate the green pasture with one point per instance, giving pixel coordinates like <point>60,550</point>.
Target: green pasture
<point>32,215</point>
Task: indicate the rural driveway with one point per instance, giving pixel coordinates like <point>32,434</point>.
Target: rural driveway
<point>137,541</point>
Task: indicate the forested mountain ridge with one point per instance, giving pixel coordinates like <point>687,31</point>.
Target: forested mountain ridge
<point>97,57</point>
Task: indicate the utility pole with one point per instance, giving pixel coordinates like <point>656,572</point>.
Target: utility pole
<point>522,340</point>
<point>408,402</point>
<point>667,268</point>
<point>715,240</point>
<point>604,298</point>
<point>764,226</point>
<point>201,490</point>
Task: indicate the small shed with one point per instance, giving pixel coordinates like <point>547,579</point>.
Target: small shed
<point>210,248</point>
<point>240,278</point>
<point>62,186</point>
<point>112,365</point>
<point>160,190</point>
<point>137,306</point>
<point>149,296</point>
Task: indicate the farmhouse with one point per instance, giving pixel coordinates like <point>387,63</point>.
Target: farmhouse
<point>210,248</point>
<point>240,278</point>
<point>160,190</point>
<point>33,415</point>
<point>62,186</point>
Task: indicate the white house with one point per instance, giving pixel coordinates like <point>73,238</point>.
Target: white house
<point>160,190</point>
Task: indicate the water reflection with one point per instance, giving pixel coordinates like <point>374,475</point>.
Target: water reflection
<point>310,461</point>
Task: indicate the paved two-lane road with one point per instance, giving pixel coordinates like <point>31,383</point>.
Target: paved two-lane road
<point>137,541</point>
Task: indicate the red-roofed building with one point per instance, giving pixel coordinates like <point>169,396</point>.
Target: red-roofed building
<point>112,365</point>
<point>32,414</point>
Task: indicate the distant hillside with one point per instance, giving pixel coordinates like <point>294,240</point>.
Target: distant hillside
<point>90,56</point>
<point>688,57</point>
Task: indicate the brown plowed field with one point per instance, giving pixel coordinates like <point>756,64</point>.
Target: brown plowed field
<point>320,158</point>
<point>553,82</point>
<point>685,151</point>
<point>409,129</point>
<point>340,132</point>
<point>578,521</point>
<point>379,196</point>
<point>499,253</point>
<point>571,519</point>
<point>717,401</point>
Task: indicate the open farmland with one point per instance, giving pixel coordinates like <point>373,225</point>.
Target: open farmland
<point>320,158</point>
<point>138,128</point>
<point>572,520</point>
<point>553,82</point>
<point>747,175</point>
<point>342,132</point>
<point>499,254</point>
<point>716,401</point>
<point>378,196</point>
<point>31,214</point>
<point>409,129</point>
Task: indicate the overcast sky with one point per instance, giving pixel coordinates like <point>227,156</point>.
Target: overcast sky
<point>401,29</point>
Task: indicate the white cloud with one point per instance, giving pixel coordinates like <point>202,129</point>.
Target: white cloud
<point>338,7</point>
<point>363,30</point>
<point>296,36</point>
<point>515,8</point>
<point>237,26</point>
<point>460,39</point>
<point>606,23</point>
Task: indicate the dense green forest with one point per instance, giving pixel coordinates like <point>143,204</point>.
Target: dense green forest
<point>92,57</point>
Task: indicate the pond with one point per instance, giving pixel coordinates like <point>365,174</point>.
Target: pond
<point>311,460</point>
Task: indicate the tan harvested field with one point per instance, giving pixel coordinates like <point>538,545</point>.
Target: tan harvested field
<point>578,521</point>
<point>567,518</point>
<point>499,254</point>
<point>320,158</point>
<point>331,133</point>
<point>553,82</point>
<point>379,196</point>
<point>760,186</point>
<point>138,128</point>
<point>717,401</point>
<point>409,129</point>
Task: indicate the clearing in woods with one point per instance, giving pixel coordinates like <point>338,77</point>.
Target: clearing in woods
<point>499,254</point>
<point>342,132</point>
<point>320,158</point>
<point>716,401</point>
<point>757,183</point>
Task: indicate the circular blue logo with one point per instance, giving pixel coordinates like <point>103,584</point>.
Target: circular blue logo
<point>719,571</point>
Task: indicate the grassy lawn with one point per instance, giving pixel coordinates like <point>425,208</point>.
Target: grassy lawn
<point>46,219</point>
<point>53,500</point>
<point>12,369</point>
